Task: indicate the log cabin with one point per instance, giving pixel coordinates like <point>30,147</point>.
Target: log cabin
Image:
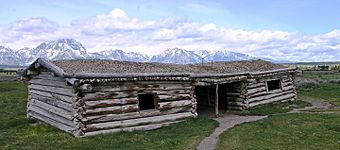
<point>90,97</point>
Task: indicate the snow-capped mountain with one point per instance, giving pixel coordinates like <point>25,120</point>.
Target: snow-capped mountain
<point>9,56</point>
<point>60,49</point>
<point>229,56</point>
<point>119,55</point>
<point>176,55</point>
<point>72,49</point>
<point>180,56</point>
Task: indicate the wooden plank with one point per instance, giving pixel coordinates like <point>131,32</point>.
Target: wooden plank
<point>52,122</point>
<point>286,80</point>
<point>288,88</point>
<point>255,90</point>
<point>68,99</point>
<point>255,85</point>
<point>110,102</point>
<point>52,101</point>
<point>131,94</point>
<point>269,96</point>
<point>284,84</point>
<point>137,122</point>
<point>57,90</point>
<point>46,113</point>
<point>138,87</point>
<point>279,98</point>
<point>142,127</point>
<point>257,94</point>
<point>134,115</point>
<point>108,95</point>
<point>174,97</point>
<point>169,105</point>
<point>52,109</point>
<point>112,110</point>
<point>52,83</point>
<point>48,77</point>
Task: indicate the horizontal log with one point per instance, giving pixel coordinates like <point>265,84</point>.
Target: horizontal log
<point>284,84</point>
<point>110,102</point>
<point>257,94</point>
<point>57,90</point>
<point>256,90</point>
<point>52,122</point>
<point>255,85</point>
<point>142,127</point>
<point>286,80</point>
<point>134,115</point>
<point>174,97</point>
<point>46,113</point>
<point>137,87</point>
<point>52,101</point>
<point>68,99</point>
<point>169,105</point>
<point>48,77</point>
<point>279,98</point>
<point>52,83</point>
<point>251,80</point>
<point>112,110</point>
<point>288,88</point>
<point>52,109</point>
<point>138,122</point>
<point>270,96</point>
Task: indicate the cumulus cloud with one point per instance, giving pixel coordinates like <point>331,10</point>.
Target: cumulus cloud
<point>117,30</point>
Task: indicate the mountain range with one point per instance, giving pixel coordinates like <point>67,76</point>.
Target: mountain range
<point>72,49</point>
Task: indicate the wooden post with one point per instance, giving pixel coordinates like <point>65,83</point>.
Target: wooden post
<point>216,101</point>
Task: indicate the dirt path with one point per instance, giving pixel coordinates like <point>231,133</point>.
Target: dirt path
<point>226,122</point>
<point>316,104</point>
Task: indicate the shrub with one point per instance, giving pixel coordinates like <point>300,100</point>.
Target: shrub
<point>308,83</point>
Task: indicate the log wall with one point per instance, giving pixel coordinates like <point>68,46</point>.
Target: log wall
<point>257,93</point>
<point>50,100</point>
<point>112,107</point>
<point>236,96</point>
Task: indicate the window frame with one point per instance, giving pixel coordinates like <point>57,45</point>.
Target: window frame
<point>280,85</point>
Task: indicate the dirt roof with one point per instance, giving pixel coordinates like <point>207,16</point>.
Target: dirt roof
<point>111,66</point>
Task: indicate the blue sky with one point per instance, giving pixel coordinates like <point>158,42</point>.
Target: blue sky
<point>303,27</point>
<point>307,16</point>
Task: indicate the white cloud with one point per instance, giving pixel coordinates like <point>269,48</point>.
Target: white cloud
<point>116,30</point>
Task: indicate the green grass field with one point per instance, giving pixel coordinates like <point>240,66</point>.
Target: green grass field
<point>324,76</point>
<point>17,133</point>
<point>288,131</point>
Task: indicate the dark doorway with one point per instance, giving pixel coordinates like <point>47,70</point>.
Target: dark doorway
<point>206,96</point>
